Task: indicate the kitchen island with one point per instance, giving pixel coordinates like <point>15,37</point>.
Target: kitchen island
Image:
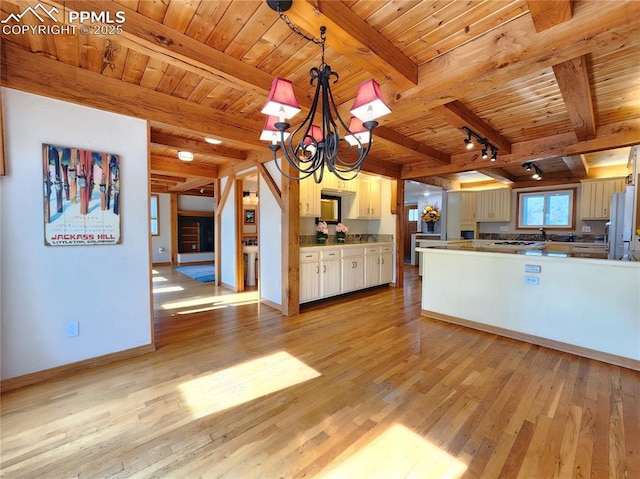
<point>576,303</point>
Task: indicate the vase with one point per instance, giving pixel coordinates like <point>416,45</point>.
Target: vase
<point>340,238</point>
<point>430,226</point>
<point>321,239</point>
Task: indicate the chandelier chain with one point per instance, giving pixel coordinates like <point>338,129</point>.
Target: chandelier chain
<point>296,29</point>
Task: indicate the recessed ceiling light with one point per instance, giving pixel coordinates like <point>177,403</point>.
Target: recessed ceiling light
<point>213,141</point>
<point>185,156</point>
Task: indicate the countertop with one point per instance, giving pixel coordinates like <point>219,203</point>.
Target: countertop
<point>526,252</point>
<point>363,243</point>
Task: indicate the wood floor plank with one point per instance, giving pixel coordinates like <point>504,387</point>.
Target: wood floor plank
<point>358,386</point>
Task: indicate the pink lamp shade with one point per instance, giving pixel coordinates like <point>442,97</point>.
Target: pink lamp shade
<point>369,104</point>
<point>281,102</point>
<point>270,132</point>
<point>316,133</point>
<point>358,131</point>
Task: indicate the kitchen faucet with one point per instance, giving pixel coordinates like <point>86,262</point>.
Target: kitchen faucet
<point>544,234</point>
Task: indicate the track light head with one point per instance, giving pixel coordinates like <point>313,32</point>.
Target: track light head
<point>484,153</point>
<point>494,154</point>
<point>468,142</point>
<point>527,166</point>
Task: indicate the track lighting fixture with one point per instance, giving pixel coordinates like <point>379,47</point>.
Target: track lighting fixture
<point>537,172</point>
<point>486,145</point>
<point>468,141</point>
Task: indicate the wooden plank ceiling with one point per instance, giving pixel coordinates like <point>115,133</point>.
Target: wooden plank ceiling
<point>554,82</point>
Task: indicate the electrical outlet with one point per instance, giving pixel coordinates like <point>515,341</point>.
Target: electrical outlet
<point>586,229</point>
<point>71,329</point>
<point>504,229</point>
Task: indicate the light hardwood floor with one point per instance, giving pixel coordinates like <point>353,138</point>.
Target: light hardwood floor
<point>356,388</point>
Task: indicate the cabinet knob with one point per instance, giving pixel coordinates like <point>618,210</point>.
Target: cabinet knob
<point>324,268</point>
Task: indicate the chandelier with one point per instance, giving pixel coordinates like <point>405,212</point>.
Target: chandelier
<point>323,139</point>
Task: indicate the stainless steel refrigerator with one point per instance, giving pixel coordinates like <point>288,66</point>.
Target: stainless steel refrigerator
<point>619,229</point>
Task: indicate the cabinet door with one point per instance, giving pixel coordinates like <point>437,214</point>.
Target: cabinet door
<point>595,201</point>
<point>331,278</point>
<point>386,268</point>
<point>309,197</point>
<point>309,281</point>
<point>363,197</point>
<point>468,206</point>
<point>352,273</point>
<point>374,199</point>
<point>502,205</point>
<point>371,269</point>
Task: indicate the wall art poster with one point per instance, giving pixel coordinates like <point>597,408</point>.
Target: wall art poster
<point>81,197</point>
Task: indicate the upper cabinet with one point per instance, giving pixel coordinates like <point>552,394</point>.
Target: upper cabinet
<point>493,205</point>
<point>309,197</point>
<point>333,184</point>
<point>595,203</point>
<point>467,206</point>
<point>367,203</point>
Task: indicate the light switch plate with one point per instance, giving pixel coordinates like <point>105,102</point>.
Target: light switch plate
<point>586,229</point>
<point>504,229</point>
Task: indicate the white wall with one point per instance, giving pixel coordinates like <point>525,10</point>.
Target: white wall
<point>270,241</point>
<point>163,240</point>
<point>228,237</point>
<point>105,288</point>
<point>195,203</point>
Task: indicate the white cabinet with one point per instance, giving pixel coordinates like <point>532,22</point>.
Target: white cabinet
<point>493,205</point>
<point>467,206</point>
<point>595,202</point>
<point>327,271</point>
<point>330,272</point>
<point>352,269</point>
<point>309,197</point>
<point>366,204</point>
<point>309,288</point>
<point>378,265</point>
<point>331,183</point>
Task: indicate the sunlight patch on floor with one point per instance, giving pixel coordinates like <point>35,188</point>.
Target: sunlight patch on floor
<point>158,279</point>
<point>244,382</point>
<point>397,453</point>
<point>208,301</point>
<point>168,289</point>
<point>154,271</point>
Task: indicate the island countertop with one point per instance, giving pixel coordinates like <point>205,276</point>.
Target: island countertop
<point>526,252</point>
<point>585,305</point>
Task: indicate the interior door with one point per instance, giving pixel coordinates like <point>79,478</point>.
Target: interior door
<point>411,227</point>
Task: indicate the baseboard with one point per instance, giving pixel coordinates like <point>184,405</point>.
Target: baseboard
<point>195,263</point>
<point>530,338</point>
<point>271,304</point>
<point>167,263</point>
<point>72,368</point>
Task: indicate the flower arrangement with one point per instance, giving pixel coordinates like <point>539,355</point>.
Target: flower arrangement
<point>341,232</point>
<point>322,231</point>
<point>430,213</point>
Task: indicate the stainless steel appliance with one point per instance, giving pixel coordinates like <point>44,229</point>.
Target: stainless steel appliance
<point>619,229</point>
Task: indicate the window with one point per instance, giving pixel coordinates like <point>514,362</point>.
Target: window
<point>551,209</point>
<point>413,214</point>
<point>155,220</point>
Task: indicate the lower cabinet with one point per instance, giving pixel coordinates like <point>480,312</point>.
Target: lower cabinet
<point>333,270</point>
<point>352,269</point>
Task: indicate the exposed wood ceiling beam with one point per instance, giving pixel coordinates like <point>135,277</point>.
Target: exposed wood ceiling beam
<point>167,166</point>
<point>196,146</point>
<point>573,80</point>
<point>438,181</point>
<point>35,73</point>
<point>577,164</point>
<point>271,184</point>
<point>190,184</point>
<point>419,150</point>
<point>458,115</point>
<point>159,41</point>
<point>350,35</point>
<point>499,174</point>
<point>516,51</point>
<point>615,135</point>
<point>548,13</point>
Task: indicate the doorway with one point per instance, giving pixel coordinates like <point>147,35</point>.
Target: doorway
<point>410,228</point>
<point>248,232</point>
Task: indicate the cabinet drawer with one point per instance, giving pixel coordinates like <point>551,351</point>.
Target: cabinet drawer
<point>386,249</point>
<point>372,250</point>
<point>308,256</point>
<point>333,253</point>
<point>355,251</point>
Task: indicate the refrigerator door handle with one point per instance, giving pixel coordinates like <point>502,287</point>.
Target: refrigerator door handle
<point>606,235</point>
